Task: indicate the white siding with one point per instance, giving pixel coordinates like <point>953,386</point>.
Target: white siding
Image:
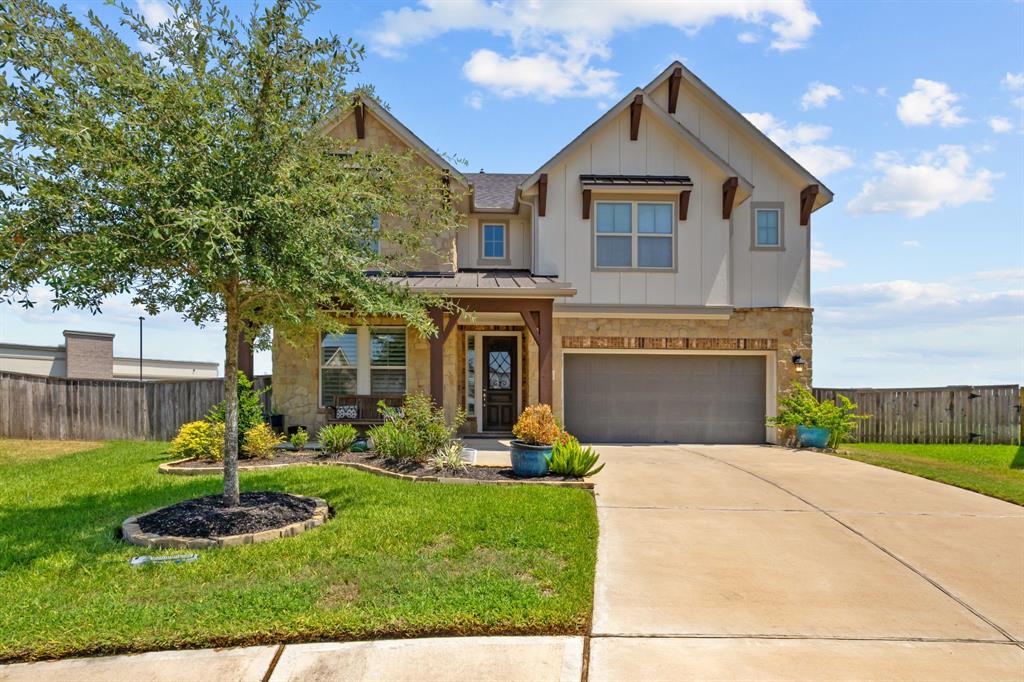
<point>468,242</point>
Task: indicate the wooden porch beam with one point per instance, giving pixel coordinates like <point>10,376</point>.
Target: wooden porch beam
<point>635,109</point>
<point>586,204</point>
<point>684,203</point>
<point>453,320</point>
<point>807,197</point>
<point>437,358</point>
<point>544,380</point>
<point>245,359</point>
<point>729,196</point>
<point>360,113</point>
<point>673,89</point>
<point>531,324</point>
<point>542,195</point>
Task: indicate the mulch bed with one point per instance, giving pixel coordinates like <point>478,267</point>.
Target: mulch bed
<point>205,517</point>
<point>476,473</point>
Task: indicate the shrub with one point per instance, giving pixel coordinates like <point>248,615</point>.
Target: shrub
<point>259,441</point>
<point>391,440</point>
<point>299,438</point>
<point>569,458</point>
<point>337,438</point>
<point>448,457</point>
<point>801,408</point>
<point>420,428</point>
<point>250,407</point>
<point>217,441</point>
<point>537,426</point>
<point>198,440</point>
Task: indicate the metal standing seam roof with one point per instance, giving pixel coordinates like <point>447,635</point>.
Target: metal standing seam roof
<point>637,180</point>
<point>503,282</point>
<point>495,191</point>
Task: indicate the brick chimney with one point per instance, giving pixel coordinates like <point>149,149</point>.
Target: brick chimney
<point>90,355</point>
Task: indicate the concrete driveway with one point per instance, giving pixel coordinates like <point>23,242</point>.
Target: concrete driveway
<point>746,562</point>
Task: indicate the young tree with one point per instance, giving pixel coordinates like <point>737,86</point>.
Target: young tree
<point>194,175</point>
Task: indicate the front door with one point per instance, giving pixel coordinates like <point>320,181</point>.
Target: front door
<point>499,364</point>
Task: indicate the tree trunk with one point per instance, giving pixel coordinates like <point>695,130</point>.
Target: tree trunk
<point>233,327</point>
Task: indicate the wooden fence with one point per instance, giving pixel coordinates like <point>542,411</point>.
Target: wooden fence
<point>98,409</point>
<point>954,414</point>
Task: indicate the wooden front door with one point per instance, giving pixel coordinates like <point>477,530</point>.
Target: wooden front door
<point>500,390</point>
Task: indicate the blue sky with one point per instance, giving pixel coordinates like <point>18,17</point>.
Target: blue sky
<point>912,113</point>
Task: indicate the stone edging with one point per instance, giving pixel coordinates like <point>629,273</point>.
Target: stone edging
<point>169,468</point>
<point>132,533</point>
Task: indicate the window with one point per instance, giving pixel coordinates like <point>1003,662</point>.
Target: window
<point>375,243</point>
<point>617,245</point>
<point>494,245</point>
<point>338,366</point>
<point>362,361</point>
<point>766,225</point>
<point>470,375</point>
<point>387,360</point>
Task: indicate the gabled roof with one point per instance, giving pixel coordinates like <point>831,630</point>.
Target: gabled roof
<point>494,191</point>
<point>395,126</point>
<point>740,121</point>
<point>659,113</point>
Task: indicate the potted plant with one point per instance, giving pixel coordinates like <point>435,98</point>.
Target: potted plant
<point>816,424</point>
<point>535,434</point>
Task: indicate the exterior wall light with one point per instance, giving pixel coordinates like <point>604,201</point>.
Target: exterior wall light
<point>798,361</point>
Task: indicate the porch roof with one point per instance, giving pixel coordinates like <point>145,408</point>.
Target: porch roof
<point>496,283</point>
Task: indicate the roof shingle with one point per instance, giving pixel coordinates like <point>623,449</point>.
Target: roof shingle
<point>495,191</point>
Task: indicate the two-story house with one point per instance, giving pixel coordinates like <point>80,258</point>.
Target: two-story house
<point>651,281</point>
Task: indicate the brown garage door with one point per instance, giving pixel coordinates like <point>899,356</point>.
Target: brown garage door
<point>665,398</point>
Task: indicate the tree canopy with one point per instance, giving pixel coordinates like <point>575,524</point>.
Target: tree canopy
<point>190,170</point>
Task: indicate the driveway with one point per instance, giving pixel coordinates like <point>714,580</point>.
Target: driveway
<point>740,562</point>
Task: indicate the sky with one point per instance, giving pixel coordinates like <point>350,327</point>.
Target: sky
<point>912,113</point>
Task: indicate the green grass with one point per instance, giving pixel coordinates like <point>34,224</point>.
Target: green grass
<point>995,470</point>
<point>398,559</point>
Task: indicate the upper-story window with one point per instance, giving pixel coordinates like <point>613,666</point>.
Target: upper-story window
<point>375,243</point>
<point>766,227</point>
<point>494,242</point>
<point>634,234</point>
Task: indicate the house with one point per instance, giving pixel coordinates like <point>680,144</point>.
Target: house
<point>90,355</point>
<point>651,281</point>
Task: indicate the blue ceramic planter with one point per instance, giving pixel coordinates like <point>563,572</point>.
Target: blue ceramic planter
<point>530,460</point>
<point>813,436</point>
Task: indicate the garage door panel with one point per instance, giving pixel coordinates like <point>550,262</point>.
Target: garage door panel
<point>665,398</point>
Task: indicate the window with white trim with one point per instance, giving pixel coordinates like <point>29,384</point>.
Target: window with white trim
<point>339,366</point>
<point>387,360</point>
<point>766,233</point>
<point>634,234</point>
<point>362,361</point>
<point>494,240</point>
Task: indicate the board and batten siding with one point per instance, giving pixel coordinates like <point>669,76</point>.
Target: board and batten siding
<point>758,278</point>
<point>468,244</point>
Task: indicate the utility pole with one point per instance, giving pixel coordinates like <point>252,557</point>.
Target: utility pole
<point>141,318</point>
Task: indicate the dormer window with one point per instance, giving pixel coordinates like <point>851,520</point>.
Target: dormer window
<point>634,235</point>
<point>494,243</point>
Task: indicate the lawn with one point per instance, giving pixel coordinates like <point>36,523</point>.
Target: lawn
<point>398,559</point>
<point>995,470</point>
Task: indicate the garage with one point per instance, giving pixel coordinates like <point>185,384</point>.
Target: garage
<point>654,398</point>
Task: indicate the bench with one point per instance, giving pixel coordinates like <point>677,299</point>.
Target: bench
<point>360,410</point>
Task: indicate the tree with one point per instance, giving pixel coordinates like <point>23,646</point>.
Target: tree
<point>192,174</point>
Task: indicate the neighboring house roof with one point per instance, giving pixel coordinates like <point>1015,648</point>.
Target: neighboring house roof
<point>495,191</point>
<point>338,115</point>
<point>486,282</point>
<point>659,113</point>
<point>743,123</point>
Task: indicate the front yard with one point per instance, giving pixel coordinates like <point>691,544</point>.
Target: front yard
<point>995,470</point>
<point>398,559</point>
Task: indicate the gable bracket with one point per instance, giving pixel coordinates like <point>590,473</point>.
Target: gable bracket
<point>542,195</point>
<point>673,89</point>
<point>586,204</point>
<point>360,113</point>
<point>729,196</point>
<point>635,109</point>
<point>807,197</point>
<point>684,203</point>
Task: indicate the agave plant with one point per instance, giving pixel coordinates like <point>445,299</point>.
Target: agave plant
<point>569,458</point>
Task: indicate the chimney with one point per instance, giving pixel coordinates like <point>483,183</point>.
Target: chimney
<point>90,355</point>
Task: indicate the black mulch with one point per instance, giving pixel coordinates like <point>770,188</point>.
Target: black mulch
<point>205,517</point>
<point>280,457</point>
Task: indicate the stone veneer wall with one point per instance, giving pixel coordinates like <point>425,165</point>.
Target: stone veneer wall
<point>787,331</point>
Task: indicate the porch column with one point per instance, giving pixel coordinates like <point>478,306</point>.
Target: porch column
<point>437,357</point>
<point>544,350</point>
<point>245,359</point>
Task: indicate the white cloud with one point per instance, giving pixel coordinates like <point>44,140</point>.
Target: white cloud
<point>1018,102</point>
<point>1000,124</point>
<point>818,94</point>
<point>802,143</point>
<point>939,179</point>
<point>1013,81</point>
<point>566,38</point>
<point>475,101</point>
<point>155,12</point>
<point>912,244</point>
<point>930,102</point>
<point>748,37</point>
<point>882,92</point>
<point>823,261</point>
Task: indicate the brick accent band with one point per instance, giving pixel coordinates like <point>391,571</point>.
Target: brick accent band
<point>667,343</point>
